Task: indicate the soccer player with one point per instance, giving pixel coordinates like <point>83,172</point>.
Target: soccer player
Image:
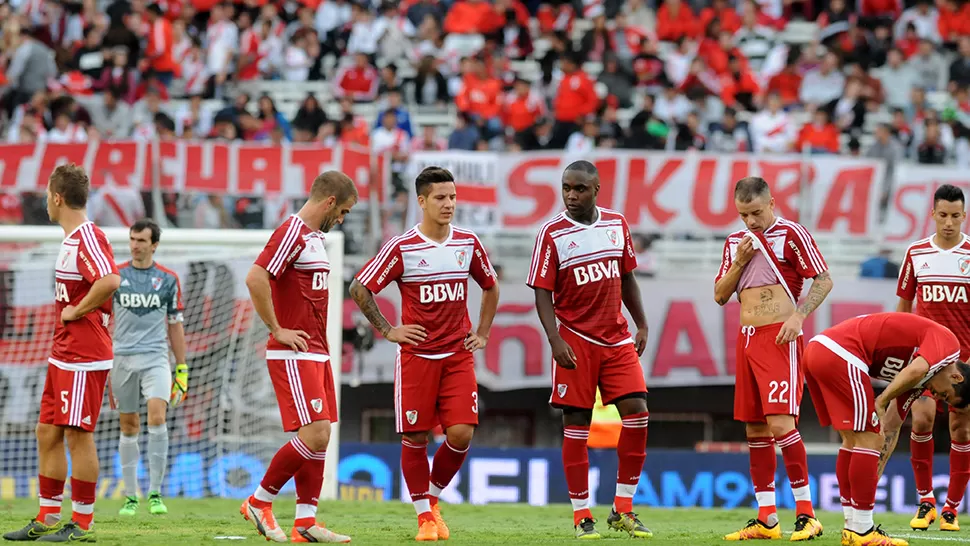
<point>289,288</point>
<point>934,273</point>
<point>85,277</point>
<point>766,265</point>
<point>434,378</point>
<point>582,270</point>
<point>912,353</point>
<point>148,307</point>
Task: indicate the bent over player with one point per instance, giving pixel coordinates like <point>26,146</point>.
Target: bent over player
<point>148,317</point>
<point>766,265</point>
<point>582,270</point>
<point>434,377</point>
<point>912,353</point>
<point>85,277</point>
<point>934,274</point>
<point>289,288</point>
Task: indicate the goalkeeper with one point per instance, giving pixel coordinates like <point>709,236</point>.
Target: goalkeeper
<point>147,305</point>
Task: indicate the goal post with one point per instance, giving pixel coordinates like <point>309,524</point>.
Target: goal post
<point>227,430</point>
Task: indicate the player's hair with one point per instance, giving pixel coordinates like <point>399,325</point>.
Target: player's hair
<point>148,223</point>
<point>582,166</point>
<point>333,183</point>
<point>431,175</point>
<point>948,192</point>
<point>750,188</point>
<point>72,183</point>
<point>962,389</point>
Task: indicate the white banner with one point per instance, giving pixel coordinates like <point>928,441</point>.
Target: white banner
<point>476,179</point>
<point>909,217</point>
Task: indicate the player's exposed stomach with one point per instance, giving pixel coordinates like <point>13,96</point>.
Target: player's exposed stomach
<point>763,305</point>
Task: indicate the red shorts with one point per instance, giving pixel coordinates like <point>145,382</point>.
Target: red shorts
<point>841,390</point>
<point>304,392</point>
<point>72,399</point>
<point>769,377</point>
<point>615,370</point>
<point>433,391</point>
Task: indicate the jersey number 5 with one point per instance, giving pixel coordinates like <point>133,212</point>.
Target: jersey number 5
<point>64,401</point>
<point>778,393</point>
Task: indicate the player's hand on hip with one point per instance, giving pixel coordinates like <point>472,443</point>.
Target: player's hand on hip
<point>474,342</point>
<point>745,252</point>
<point>294,339</point>
<point>882,405</point>
<point>412,334</point>
<point>563,353</point>
<point>789,330</point>
<point>640,341</point>
<point>69,314</point>
<point>180,385</point>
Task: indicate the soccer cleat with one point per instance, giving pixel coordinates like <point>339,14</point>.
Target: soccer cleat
<point>948,522</point>
<point>628,523</point>
<point>443,532</point>
<point>587,530</point>
<point>427,532</point>
<point>155,504</point>
<point>130,507</point>
<point>874,537</point>
<point>317,533</point>
<point>925,515</point>
<point>846,540</point>
<point>806,528</point>
<point>264,521</point>
<point>32,531</point>
<point>70,532</point>
<point>756,530</point>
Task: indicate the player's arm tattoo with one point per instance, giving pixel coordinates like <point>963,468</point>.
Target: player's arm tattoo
<point>630,292</point>
<point>888,446</point>
<point>365,301</point>
<point>725,287</point>
<point>821,286</point>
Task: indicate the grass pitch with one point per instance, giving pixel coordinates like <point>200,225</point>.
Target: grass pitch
<point>372,523</point>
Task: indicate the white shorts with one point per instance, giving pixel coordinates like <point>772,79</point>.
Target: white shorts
<point>136,378</point>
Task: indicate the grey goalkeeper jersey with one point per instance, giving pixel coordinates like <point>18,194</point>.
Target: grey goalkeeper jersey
<point>147,301</point>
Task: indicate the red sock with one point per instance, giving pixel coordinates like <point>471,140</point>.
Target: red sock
<point>959,473</point>
<point>51,497</point>
<point>575,462</point>
<point>921,456</point>
<point>284,465</point>
<point>864,469</point>
<point>447,462</point>
<point>631,450</point>
<point>309,482</point>
<point>82,497</point>
<point>796,465</point>
<point>763,464</point>
<point>417,475</point>
<point>842,474</point>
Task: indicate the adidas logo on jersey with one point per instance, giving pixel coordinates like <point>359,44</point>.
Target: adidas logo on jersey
<point>124,282</point>
<point>926,265</point>
<point>423,263</point>
<point>572,245</point>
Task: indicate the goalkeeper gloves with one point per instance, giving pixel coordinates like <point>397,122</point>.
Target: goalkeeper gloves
<point>180,386</point>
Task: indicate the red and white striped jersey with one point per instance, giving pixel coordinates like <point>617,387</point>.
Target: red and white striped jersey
<point>83,344</point>
<point>786,248</point>
<point>583,265</point>
<point>938,281</point>
<point>433,279</point>
<point>296,259</point>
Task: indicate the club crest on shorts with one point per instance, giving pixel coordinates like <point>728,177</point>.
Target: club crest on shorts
<point>561,390</point>
<point>614,238</point>
<point>156,283</point>
<point>461,256</point>
<point>964,264</point>
<point>317,405</point>
<point>412,416</point>
<point>875,419</point>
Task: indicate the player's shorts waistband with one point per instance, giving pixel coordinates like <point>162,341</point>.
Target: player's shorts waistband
<point>765,330</point>
<point>277,354</point>
<point>840,351</point>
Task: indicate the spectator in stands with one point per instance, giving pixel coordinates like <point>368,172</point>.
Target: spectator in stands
<point>611,134</point>
<point>897,79</point>
<point>931,150</point>
<point>875,12</point>
<point>772,129</point>
<point>429,86</point>
<point>670,106</point>
<point>472,17</point>
<point>358,82</point>
<point>575,99</point>
<point>788,82</point>
<point>689,136</point>
<point>824,85</point>
<point>675,20</point>
<point>481,98</point>
<point>960,68</point>
<point>366,32</point>
<point>583,141</point>
<point>310,116</point>
<point>118,75</point>
<point>880,266</point>
<point>465,134</point>
<point>754,40</point>
<point>393,103</point>
<point>31,66</point>
<point>330,19</point>
<point>820,136</point>
<point>625,40</point>
<point>222,40</point>
<point>158,50</point>
<point>834,22</point>
<point>143,115</point>
<point>522,108</point>
<point>596,43</point>
<point>89,57</point>
<point>954,21</point>
<point>617,81</point>
<point>677,62</point>
<point>886,147</point>
<point>639,15</point>
<point>648,68</point>
<point>112,117</point>
<point>300,56</point>
<point>739,88</point>
<point>722,12</point>
<point>924,17</point>
<point>270,118</point>
<point>429,141</point>
<point>729,135</point>
<point>194,119</point>
<point>850,110</point>
<point>421,9</point>
<point>929,66</point>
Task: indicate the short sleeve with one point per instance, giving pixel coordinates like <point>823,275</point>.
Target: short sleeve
<point>803,253</point>
<point>726,260</point>
<point>383,269</point>
<point>938,347</point>
<point>95,258</point>
<point>175,306</point>
<point>628,262</point>
<point>282,248</point>
<point>481,267</point>
<point>545,263</point>
<point>906,285</point>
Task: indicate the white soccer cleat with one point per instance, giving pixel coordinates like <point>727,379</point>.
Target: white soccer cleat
<point>264,521</point>
<point>317,533</point>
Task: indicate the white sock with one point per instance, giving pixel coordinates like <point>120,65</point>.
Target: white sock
<point>264,495</point>
<point>861,521</point>
<point>306,511</point>
<point>434,490</point>
<point>765,499</point>
<point>849,514</point>
<point>422,506</point>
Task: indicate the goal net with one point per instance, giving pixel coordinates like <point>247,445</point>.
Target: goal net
<point>224,434</point>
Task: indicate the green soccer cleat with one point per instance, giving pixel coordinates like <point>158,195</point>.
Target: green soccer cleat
<point>32,531</point>
<point>155,505</point>
<point>130,507</point>
<point>587,530</point>
<point>628,523</point>
<point>71,532</point>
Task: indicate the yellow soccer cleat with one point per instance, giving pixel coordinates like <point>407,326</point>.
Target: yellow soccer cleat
<point>806,528</point>
<point>628,523</point>
<point>949,522</point>
<point>756,530</point>
<point>925,516</point>
<point>874,537</point>
<point>443,532</point>
<point>586,530</point>
<point>846,540</point>
<point>427,532</point>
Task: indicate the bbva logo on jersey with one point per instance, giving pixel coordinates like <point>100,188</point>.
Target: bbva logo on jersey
<point>597,271</point>
<point>139,300</point>
<point>943,293</point>
<point>60,292</point>
<point>319,280</point>
<point>436,293</point>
